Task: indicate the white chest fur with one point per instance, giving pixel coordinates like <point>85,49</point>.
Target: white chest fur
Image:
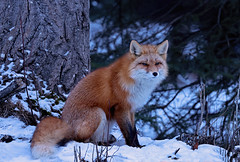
<point>140,94</point>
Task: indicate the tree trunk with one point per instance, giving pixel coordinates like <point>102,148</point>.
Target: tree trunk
<point>54,35</point>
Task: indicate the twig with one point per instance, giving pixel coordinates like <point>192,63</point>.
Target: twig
<point>93,153</point>
<point>202,103</point>
<point>175,153</point>
<point>154,107</point>
<point>108,129</point>
<point>86,152</point>
<point>219,14</point>
<point>75,154</point>
<point>236,113</point>
<point>231,143</point>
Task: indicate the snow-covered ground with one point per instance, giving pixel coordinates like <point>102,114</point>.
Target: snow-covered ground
<point>155,150</point>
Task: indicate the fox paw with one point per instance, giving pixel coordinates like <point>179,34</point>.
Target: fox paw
<point>111,140</point>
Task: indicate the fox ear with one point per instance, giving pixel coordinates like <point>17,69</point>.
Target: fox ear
<point>163,47</point>
<point>135,48</point>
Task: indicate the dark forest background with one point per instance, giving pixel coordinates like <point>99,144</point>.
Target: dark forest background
<point>45,46</point>
<point>204,54</point>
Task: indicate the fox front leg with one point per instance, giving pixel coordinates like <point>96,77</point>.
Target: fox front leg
<point>131,138</point>
<point>128,128</point>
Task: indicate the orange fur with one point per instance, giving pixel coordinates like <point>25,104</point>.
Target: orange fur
<point>112,93</point>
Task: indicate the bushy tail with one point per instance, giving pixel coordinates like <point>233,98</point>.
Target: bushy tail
<point>48,133</point>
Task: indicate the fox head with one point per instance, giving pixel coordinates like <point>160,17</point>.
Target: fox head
<point>149,61</point>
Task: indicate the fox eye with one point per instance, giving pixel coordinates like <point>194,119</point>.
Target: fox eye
<point>158,63</point>
<point>144,64</point>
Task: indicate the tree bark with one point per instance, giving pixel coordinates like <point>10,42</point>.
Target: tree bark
<point>55,37</point>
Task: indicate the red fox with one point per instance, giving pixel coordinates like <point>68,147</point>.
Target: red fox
<point>106,95</point>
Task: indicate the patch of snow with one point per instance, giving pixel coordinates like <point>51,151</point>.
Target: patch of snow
<point>95,27</point>
<point>194,28</point>
<point>66,53</point>
<point>190,49</point>
<point>155,150</point>
<point>10,59</point>
<point>10,38</point>
<point>146,130</point>
<point>16,128</point>
<point>21,61</point>
<point>27,51</point>
<point>2,68</point>
<point>94,3</point>
<point>12,28</point>
<point>9,72</point>
<point>2,55</point>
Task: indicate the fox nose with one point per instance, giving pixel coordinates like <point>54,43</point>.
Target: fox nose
<point>155,74</point>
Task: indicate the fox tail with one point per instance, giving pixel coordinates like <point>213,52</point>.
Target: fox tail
<point>49,132</point>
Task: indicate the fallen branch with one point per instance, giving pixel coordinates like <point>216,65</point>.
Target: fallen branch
<point>15,87</point>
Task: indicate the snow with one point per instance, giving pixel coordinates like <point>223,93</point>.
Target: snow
<point>12,28</point>
<point>10,38</point>
<point>154,150</point>
<point>9,72</point>
<point>94,3</point>
<point>27,51</point>
<point>2,55</point>
<point>66,53</point>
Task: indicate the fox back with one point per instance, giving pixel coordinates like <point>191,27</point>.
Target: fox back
<point>130,80</point>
